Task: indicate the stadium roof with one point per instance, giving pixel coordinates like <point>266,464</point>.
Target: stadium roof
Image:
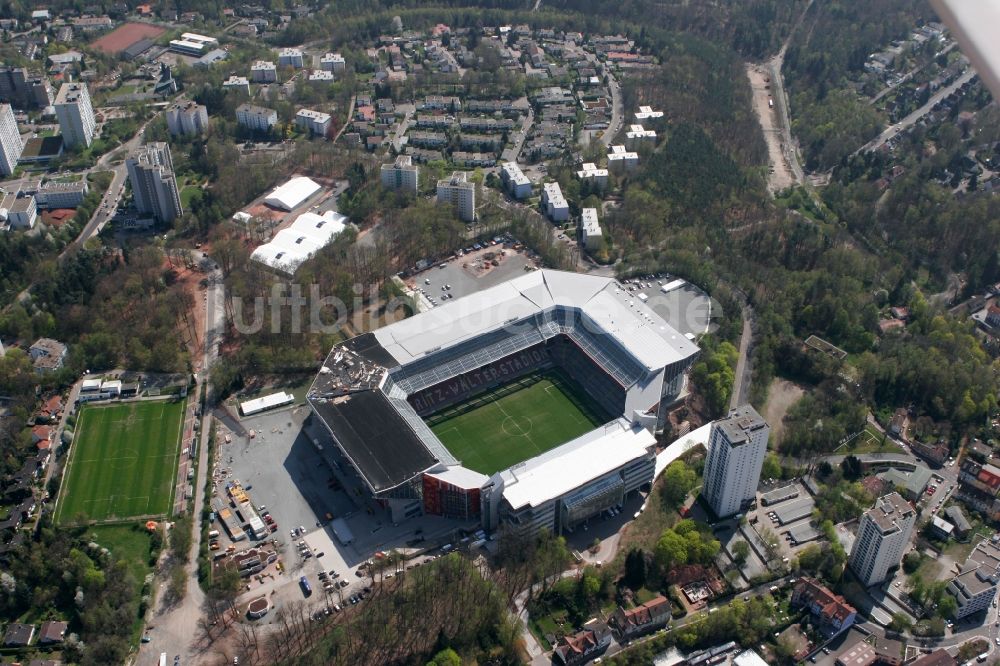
<point>571,465</point>
<point>375,437</point>
<point>610,309</point>
<point>292,193</point>
<point>292,246</point>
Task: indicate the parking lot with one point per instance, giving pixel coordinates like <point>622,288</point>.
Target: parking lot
<point>463,277</point>
<point>304,488</point>
<point>686,308</point>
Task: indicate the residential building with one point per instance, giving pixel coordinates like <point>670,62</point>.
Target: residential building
<point>957,517</point>
<point>76,115</point>
<point>830,612</point>
<point>154,186</point>
<point>736,448</point>
<point>263,71</point>
<point>993,315</point>
<point>591,234</point>
<point>583,646</point>
<point>403,174</point>
<point>257,118</point>
<point>240,83</point>
<point>56,194</point>
<point>620,159</point>
<point>332,62</point>
<point>647,113</point>
<point>939,657</point>
<point>883,534</point>
<point>514,180</point>
<point>18,635</point>
<point>647,617</point>
<point>187,118</point>
<point>10,141</point>
<point>975,586</point>
<point>941,528</point>
<point>289,57</point>
<point>52,631</point>
<point>460,193</point>
<point>24,90</point>
<point>320,76</point>
<point>18,212</point>
<point>316,122</point>
<point>897,426</point>
<point>597,177</point>
<point>444,102</point>
<point>555,204</point>
<point>47,354</point>
<point>912,484</point>
<point>639,136</point>
<point>936,453</point>
<point>859,653</point>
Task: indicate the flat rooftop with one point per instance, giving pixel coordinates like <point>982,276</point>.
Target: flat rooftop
<point>560,470</point>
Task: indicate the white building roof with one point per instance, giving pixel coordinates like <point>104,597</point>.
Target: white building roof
<point>292,246</point>
<point>573,464</point>
<point>588,220</point>
<point>249,407</point>
<point>240,216</point>
<point>292,193</point>
<point>636,327</point>
<point>90,385</point>
<point>646,112</point>
<point>461,477</point>
<point>195,37</point>
<point>554,196</point>
<point>514,173</point>
<point>749,658</point>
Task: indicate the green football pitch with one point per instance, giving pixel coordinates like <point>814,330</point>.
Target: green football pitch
<point>521,420</point>
<point>123,463</point>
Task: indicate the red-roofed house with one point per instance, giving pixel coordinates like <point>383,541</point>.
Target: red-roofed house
<point>650,616</point>
<point>584,645</point>
<point>52,408</point>
<point>41,436</point>
<point>830,611</point>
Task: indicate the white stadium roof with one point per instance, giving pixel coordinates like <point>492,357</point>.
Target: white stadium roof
<point>610,310</point>
<point>292,246</point>
<point>292,193</point>
<point>573,464</point>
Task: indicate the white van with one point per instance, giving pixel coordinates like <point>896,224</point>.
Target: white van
<point>214,534</point>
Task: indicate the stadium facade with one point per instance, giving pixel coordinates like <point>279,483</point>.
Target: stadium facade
<point>374,391</point>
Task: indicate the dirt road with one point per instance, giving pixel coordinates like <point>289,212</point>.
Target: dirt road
<point>781,175</point>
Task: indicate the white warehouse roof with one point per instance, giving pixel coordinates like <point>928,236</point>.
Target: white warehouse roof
<point>292,193</point>
<point>292,246</point>
<point>249,407</point>
<point>573,464</point>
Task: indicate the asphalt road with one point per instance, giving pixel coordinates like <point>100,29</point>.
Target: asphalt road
<point>908,122</point>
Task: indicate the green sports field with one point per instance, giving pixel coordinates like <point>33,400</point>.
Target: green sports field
<point>124,461</point>
<point>517,421</point>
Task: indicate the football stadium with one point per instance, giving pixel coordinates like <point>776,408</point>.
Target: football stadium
<point>533,403</point>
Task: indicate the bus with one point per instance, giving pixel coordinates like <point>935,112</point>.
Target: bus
<point>163,659</point>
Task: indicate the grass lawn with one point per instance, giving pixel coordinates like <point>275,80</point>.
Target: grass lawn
<point>870,441</point>
<point>123,461</point>
<point>187,193</point>
<point>126,543</point>
<point>517,421</point>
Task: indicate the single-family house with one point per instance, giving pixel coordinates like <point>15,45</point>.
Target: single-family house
<point>650,616</point>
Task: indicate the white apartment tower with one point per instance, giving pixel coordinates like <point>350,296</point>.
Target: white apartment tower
<point>883,533</point>
<point>10,141</point>
<point>975,586</point>
<point>401,175</point>
<point>187,118</point>
<point>76,115</point>
<point>460,193</point>
<point>736,449</point>
<point>154,186</point>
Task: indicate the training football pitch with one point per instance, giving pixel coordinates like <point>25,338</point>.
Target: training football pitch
<point>123,462</point>
<point>517,421</point>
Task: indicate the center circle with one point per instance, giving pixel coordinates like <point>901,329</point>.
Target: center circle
<point>516,426</point>
<point>127,459</point>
